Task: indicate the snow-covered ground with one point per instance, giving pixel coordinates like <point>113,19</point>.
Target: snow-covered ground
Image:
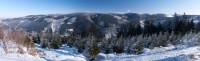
<point>180,53</point>
<point>65,53</point>
<point>17,56</point>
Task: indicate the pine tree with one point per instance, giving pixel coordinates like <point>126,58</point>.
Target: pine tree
<point>139,45</point>
<point>149,28</point>
<point>174,23</point>
<point>56,41</point>
<point>138,29</point>
<point>159,28</point>
<point>36,38</point>
<point>162,39</point>
<point>119,47</point>
<point>191,26</point>
<point>198,27</point>
<point>105,45</point>
<point>153,40</point>
<point>44,40</point>
<point>93,50</point>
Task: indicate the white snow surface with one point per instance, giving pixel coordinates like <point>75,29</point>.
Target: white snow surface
<point>118,17</point>
<point>55,24</point>
<point>17,57</point>
<point>142,23</point>
<point>72,20</point>
<point>158,54</point>
<point>65,53</point>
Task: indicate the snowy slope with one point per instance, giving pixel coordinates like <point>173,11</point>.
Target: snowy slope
<point>171,53</point>
<point>17,56</point>
<point>63,54</point>
<point>158,54</point>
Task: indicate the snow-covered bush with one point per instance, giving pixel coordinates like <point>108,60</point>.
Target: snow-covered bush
<point>50,40</point>
<point>71,40</point>
<point>162,40</point>
<point>55,43</point>
<point>81,44</point>
<point>104,45</point>
<point>44,40</point>
<point>119,46</point>
<point>16,41</point>
<point>32,50</point>
<point>35,37</point>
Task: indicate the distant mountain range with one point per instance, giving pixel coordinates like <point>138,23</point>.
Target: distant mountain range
<point>84,22</point>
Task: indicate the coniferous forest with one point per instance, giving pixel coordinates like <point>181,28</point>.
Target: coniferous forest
<point>131,37</point>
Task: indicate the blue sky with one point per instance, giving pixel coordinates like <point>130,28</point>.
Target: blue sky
<point>18,8</point>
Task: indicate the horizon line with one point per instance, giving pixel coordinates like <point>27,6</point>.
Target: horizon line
<point>5,17</point>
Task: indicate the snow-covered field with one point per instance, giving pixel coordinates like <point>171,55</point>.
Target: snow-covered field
<point>171,53</point>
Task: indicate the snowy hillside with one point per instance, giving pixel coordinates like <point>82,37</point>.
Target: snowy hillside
<point>158,54</point>
<point>171,53</point>
<point>100,37</point>
<point>63,54</point>
<point>77,21</point>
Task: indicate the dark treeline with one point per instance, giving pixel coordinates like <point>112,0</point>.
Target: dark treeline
<point>130,38</point>
<point>177,24</point>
